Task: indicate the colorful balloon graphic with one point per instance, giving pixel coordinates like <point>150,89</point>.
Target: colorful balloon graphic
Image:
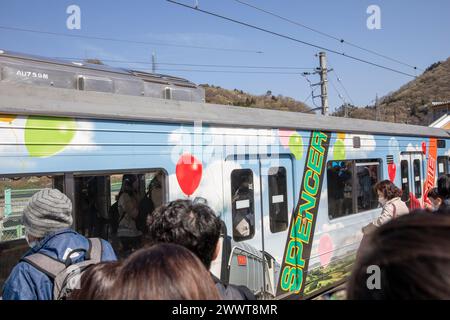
<point>424,148</point>
<point>296,145</point>
<point>339,150</point>
<point>284,136</point>
<point>46,136</point>
<point>325,250</point>
<point>189,173</point>
<point>7,118</point>
<point>392,171</point>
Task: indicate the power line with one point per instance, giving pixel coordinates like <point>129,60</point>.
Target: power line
<point>230,71</point>
<point>126,41</point>
<point>339,80</point>
<point>291,38</point>
<point>193,64</point>
<point>344,102</point>
<point>341,40</point>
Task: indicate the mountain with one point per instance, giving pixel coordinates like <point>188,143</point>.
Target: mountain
<point>410,103</point>
<point>237,97</point>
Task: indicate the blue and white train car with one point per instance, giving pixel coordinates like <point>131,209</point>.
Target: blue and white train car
<point>293,189</point>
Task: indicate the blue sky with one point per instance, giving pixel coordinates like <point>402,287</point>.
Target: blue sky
<point>416,32</point>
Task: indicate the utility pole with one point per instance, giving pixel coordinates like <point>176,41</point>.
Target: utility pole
<point>377,108</point>
<point>153,62</point>
<point>323,82</point>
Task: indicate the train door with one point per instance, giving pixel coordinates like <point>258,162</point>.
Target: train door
<point>412,176</point>
<point>277,206</point>
<point>242,185</point>
<point>262,200</point>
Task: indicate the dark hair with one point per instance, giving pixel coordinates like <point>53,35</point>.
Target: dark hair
<point>389,190</point>
<point>433,193</point>
<point>97,282</point>
<point>164,272</point>
<point>413,256</point>
<point>443,185</point>
<point>194,226</point>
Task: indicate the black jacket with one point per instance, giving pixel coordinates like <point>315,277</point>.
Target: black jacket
<point>232,292</point>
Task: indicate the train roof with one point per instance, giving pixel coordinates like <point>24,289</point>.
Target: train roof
<point>27,99</point>
<point>34,60</point>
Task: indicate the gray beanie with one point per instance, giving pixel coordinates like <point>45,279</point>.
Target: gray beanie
<point>47,211</point>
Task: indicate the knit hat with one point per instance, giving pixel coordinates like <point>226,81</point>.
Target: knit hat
<point>47,211</point>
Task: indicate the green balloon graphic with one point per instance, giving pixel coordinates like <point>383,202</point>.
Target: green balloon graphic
<point>46,136</point>
<point>296,145</point>
<point>339,150</point>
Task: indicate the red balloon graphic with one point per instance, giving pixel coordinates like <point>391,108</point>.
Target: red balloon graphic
<point>424,148</point>
<point>189,173</point>
<point>392,170</point>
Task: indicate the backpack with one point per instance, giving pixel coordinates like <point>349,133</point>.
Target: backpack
<point>65,275</point>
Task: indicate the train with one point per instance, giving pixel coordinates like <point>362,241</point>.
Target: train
<point>293,189</point>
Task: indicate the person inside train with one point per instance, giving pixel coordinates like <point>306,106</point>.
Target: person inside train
<point>128,206</point>
<point>97,283</point>
<point>435,199</point>
<point>392,206</point>
<point>443,185</point>
<point>196,227</point>
<point>147,204</point>
<point>155,192</point>
<point>405,259</point>
<point>47,219</point>
<point>164,271</point>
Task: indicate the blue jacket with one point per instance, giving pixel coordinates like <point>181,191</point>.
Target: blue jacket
<point>27,283</point>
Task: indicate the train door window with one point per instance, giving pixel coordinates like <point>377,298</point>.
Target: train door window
<point>340,188</point>
<point>417,180</point>
<point>367,174</point>
<point>442,162</point>
<point>278,210</point>
<point>243,207</point>
<point>404,173</point>
<point>116,206</point>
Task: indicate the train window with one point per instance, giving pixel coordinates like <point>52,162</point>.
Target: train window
<point>243,210</point>
<point>116,206</point>
<point>404,173</point>
<point>278,209</point>
<point>340,188</point>
<point>417,181</point>
<point>350,186</point>
<point>442,162</point>
<point>367,175</point>
<point>14,196</point>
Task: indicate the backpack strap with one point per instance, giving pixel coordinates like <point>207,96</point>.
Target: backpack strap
<point>394,212</point>
<point>48,265</point>
<point>95,250</point>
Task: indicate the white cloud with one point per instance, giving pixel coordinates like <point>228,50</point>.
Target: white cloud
<point>411,148</point>
<point>84,138</point>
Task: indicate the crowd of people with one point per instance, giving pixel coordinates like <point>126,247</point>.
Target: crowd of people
<point>183,241</point>
<point>410,249</point>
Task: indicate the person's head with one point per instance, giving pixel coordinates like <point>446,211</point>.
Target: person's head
<point>434,197</point>
<point>386,191</point>
<point>97,283</point>
<point>164,272</point>
<point>443,185</point>
<point>413,257</point>
<point>129,183</point>
<point>48,211</point>
<point>194,226</point>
